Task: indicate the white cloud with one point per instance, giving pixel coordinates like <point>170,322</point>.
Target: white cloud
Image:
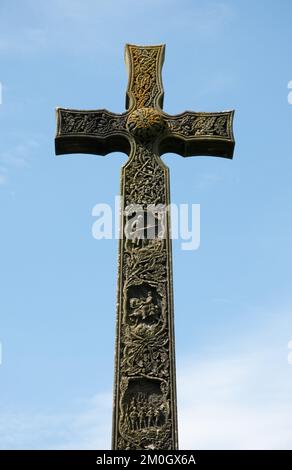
<point>240,399</point>
<point>236,399</point>
<point>89,428</point>
<point>239,403</point>
<point>16,157</point>
<point>55,26</point>
<point>224,403</point>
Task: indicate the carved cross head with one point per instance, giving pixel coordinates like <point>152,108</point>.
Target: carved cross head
<point>101,131</point>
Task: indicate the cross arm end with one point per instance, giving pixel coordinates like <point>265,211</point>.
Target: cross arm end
<point>193,134</point>
<point>90,131</point>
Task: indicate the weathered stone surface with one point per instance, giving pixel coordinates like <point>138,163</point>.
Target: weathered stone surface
<point>145,415</point>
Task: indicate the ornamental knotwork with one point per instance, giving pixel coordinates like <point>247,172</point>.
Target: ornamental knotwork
<point>144,79</point>
<point>91,123</point>
<point>144,183</point>
<point>190,125</point>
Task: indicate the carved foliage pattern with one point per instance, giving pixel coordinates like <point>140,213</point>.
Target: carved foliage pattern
<point>144,183</point>
<point>97,123</point>
<point>145,403</point>
<point>144,75</point>
<point>196,125</point>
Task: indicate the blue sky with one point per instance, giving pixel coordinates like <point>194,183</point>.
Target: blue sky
<point>232,296</point>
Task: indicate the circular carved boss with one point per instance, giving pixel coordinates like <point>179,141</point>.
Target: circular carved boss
<point>145,123</point>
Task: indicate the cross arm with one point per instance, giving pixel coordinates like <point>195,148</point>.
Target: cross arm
<point>191,134</point>
<point>144,65</point>
<point>96,132</point>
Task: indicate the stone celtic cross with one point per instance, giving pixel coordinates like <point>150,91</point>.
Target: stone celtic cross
<point>145,415</point>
